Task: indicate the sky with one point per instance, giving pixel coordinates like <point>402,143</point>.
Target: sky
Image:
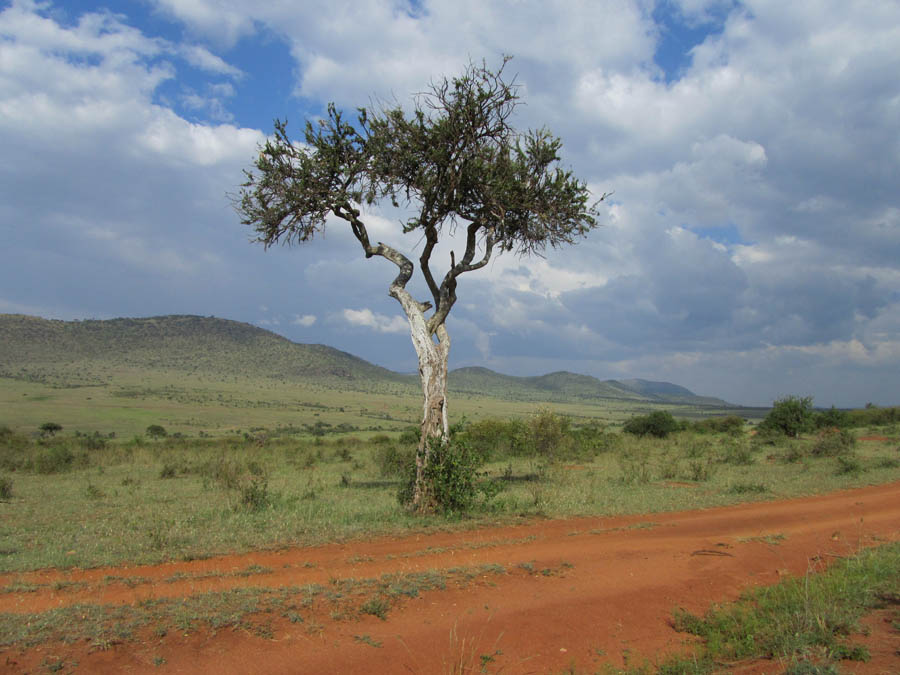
<point>751,248</point>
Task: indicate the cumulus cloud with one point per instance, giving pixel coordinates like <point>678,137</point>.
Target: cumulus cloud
<point>377,322</point>
<point>306,320</point>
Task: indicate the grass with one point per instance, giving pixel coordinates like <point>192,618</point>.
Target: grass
<point>114,504</point>
<point>805,623</point>
<point>250,609</point>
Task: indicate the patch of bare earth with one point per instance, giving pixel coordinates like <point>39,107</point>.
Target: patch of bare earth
<point>576,593</point>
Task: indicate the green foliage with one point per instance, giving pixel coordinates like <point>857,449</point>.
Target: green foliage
<point>496,439</point>
<point>791,416</point>
<point>50,428</point>
<point>788,620</point>
<point>738,453</point>
<point>550,436</point>
<point>848,464</point>
<point>634,463</point>
<point>832,442</point>
<point>728,424</point>
<point>394,461</point>
<point>254,493</point>
<point>832,418</point>
<point>453,478</point>
<point>54,459</point>
<point>459,135</point>
<point>156,431</point>
<point>872,416</point>
<point>659,424</point>
<point>410,436</point>
<point>376,606</point>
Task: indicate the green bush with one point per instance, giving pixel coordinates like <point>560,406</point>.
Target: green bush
<point>55,459</point>
<point>50,428</point>
<point>496,439</point>
<point>156,431</point>
<point>6,490</point>
<point>833,442</point>
<point>550,436</point>
<point>791,416</point>
<point>738,454</point>
<point>832,418</point>
<point>452,473</point>
<point>659,424</point>
<point>410,436</point>
<point>729,424</point>
<point>394,461</point>
<point>255,493</point>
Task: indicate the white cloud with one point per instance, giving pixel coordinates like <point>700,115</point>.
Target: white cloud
<point>377,322</point>
<point>306,320</point>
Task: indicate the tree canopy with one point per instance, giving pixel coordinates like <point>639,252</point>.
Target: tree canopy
<point>455,161</point>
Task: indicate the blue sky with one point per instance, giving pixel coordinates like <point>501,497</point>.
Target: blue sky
<point>750,250</point>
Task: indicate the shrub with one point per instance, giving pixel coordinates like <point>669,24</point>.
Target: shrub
<point>54,459</point>
<point>453,475</point>
<point>635,466</point>
<point>6,490</point>
<point>93,441</point>
<point>50,428</point>
<point>550,435</point>
<point>659,424</point>
<point>410,436</point>
<point>168,471</point>
<point>156,431</point>
<point>848,464</point>
<point>832,418</point>
<point>496,439</point>
<point>791,416</point>
<point>738,455</point>
<point>255,493</point>
<point>393,461</point>
<point>730,424</point>
<point>833,442</point>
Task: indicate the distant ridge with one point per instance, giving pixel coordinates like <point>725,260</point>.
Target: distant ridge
<point>90,352</point>
<point>192,344</point>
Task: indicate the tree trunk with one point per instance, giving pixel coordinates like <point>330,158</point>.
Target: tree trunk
<point>435,424</point>
<point>435,430</point>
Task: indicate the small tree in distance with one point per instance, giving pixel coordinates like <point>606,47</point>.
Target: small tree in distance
<point>455,162</point>
<point>50,428</point>
<point>790,415</point>
<point>156,431</point>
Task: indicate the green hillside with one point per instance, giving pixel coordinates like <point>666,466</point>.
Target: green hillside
<point>202,374</point>
<point>73,353</point>
<point>96,352</point>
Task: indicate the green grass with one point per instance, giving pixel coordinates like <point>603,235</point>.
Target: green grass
<point>803,623</point>
<point>117,504</point>
<point>247,608</point>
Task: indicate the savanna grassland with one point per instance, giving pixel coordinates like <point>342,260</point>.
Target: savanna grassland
<point>230,441</point>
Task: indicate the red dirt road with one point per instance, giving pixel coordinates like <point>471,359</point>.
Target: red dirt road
<point>577,592</point>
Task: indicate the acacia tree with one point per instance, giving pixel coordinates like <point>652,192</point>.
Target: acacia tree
<point>454,163</point>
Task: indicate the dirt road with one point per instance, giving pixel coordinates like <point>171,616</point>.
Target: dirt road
<point>578,592</point>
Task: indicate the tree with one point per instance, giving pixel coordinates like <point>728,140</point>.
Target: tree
<point>791,416</point>
<point>455,163</point>
<point>156,431</point>
<point>659,424</point>
<point>50,428</point>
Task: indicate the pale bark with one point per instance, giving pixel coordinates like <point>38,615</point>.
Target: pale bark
<point>432,345</point>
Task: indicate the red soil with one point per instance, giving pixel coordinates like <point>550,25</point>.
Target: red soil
<point>608,598</point>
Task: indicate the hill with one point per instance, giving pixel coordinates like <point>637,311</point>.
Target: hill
<point>94,352</point>
<point>78,353</point>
